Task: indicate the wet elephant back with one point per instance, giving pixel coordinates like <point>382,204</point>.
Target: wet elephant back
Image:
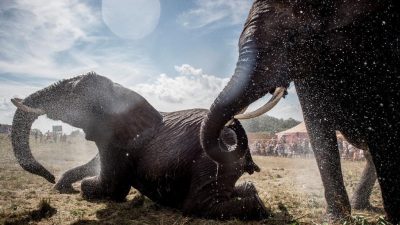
<point>164,168</point>
<point>176,143</point>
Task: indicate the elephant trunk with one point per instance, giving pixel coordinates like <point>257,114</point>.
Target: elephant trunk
<point>20,141</point>
<point>262,68</point>
<point>27,112</point>
<point>235,97</point>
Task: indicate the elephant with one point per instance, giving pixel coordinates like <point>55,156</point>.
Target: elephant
<point>344,59</point>
<point>157,153</point>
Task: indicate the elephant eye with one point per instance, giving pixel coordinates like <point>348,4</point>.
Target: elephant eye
<point>97,109</point>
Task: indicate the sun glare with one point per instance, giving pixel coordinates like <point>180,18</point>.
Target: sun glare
<point>131,19</point>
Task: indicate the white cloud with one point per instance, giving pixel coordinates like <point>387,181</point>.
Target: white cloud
<point>40,39</point>
<point>190,89</point>
<point>31,33</point>
<point>186,69</point>
<point>6,111</point>
<point>207,12</point>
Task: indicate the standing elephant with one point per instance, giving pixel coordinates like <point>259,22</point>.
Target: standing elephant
<point>159,154</point>
<point>344,59</point>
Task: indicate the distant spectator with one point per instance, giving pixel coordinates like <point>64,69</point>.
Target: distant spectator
<point>64,138</point>
<point>340,146</point>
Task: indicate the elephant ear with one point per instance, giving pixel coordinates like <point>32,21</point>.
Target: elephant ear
<point>127,119</point>
<point>135,119</point>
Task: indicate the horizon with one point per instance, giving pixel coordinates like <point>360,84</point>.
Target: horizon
<point>178,55</point>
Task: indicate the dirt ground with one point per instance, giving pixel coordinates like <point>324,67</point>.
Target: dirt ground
<point>290,187</point>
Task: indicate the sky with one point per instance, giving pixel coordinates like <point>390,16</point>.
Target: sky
<point>178,54</point>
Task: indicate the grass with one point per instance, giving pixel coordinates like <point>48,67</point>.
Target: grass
<point>291,188</point>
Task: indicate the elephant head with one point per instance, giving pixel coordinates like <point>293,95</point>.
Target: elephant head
<point>280,43</point>
<point>252,79</point>
<point>104,110</point>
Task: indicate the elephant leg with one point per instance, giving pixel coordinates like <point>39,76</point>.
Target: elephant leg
<point>360,198</point>
<point>64,184</point>
<point>213,194</point>
<point>327,155</point>
<point>244,208</point>
<point>246,189</point>
<point>316,109</point>
<point>95,188</point>
<point>243,204</point>
<point>113,182</point>
<point>385,156</point>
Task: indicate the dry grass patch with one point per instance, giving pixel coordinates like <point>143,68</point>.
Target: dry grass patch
<point>290,187</point>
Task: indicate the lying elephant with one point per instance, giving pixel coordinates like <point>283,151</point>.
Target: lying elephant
<point>344,58</point>
<point>159,154</point>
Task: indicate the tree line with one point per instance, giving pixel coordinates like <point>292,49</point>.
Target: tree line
<point>268,124</point>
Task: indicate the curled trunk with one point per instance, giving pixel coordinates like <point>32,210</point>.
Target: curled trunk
<point>27,112</point>
<point>21,127</point>
<point>261,68</point>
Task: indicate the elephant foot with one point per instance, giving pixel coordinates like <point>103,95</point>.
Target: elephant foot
<point>247,208</point>
<point>243,208</point>
<point>247,190</point>
<point>252,208</point>
<point>338,212</point>
<point>93,189</point>
<point>358,205</point>
<point>65,188</point>
<point>137,201</point>
<point>338,208</point>
<point>338,215</point>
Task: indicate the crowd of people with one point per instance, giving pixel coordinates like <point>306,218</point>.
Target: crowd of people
<point>349,151</point>
<point>49,137</point>
<point>300,147</point>
<point>282,148</point>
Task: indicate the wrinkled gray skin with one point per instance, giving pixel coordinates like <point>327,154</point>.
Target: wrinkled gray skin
<point>159,154</point>
<point>362,193</point>
<point>344,59</point>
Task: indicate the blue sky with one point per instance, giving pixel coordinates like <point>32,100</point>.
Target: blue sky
<point>178,54</point>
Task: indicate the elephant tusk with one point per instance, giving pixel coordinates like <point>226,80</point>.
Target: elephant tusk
<point>278,94</point>
<point>18,103</point>
<point>240,113</point>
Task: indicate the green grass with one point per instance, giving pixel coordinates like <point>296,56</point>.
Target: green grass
<point>291,188</point>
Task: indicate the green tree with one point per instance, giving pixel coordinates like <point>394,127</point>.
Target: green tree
<point>268,124</point>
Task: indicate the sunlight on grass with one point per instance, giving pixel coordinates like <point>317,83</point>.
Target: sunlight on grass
<point>292,189</point>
